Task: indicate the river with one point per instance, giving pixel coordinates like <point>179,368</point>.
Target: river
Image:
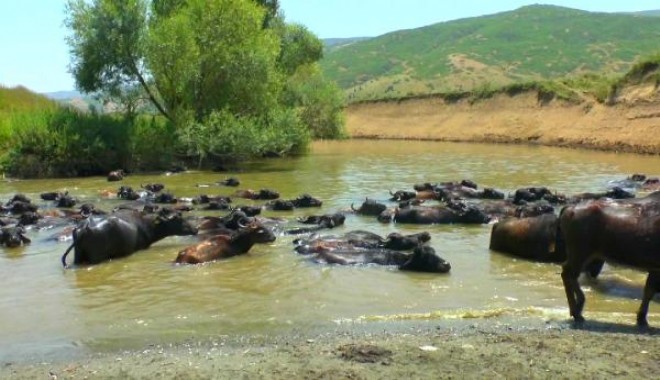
<point>47,311</point>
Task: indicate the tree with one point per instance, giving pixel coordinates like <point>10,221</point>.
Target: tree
<point>107,46</point>
<point>224,62</point>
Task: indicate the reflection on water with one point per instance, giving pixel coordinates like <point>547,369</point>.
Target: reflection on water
<point>144,298</point>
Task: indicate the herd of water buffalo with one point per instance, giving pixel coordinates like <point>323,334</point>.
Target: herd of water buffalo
<point>582,231</point>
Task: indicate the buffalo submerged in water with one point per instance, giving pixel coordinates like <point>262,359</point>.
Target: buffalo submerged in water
<point>362,247</point>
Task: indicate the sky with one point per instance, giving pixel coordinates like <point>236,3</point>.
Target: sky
<point>35,54</point>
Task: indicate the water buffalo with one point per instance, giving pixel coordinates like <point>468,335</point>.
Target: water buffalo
<point>13,236</point>
<point>613,193</point>
<point>116,175</point>
<point>532,238</point>
<point>626,232</point>
<point>225,246</point>
<point>321,222</point>
<point>122,233</point>
<point>364,239</point>
<point>306,200</point>
<point>127,193</point>
<point>423,259</point>
<point>231,181</point>
<point>402,195</point>
<point>370,207</point>
<point>263,194</point>
<point>435,215</point>
<point>281,205</point>
<point>153,187</point>
<point>533,194</point>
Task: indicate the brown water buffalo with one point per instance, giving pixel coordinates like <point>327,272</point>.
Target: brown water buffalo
<point>122,233</point>
<point>226,246</point>
<point>263,194</point>
<point>626,232</point>
<point>532,238</point>
<point>116,175</point>
<point>13,236</point>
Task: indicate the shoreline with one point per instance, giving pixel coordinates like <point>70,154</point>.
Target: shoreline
<point>474,348</point>
<point>631,125</point>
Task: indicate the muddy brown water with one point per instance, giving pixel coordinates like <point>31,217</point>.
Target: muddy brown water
<point>142,299</point>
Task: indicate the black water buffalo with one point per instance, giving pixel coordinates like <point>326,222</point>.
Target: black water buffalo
<point>225,246</point>
<point>127,193</point>
<point>52,195</point>
<point>533,194</point>
<point>13,236</point>
<point>370,207</point>
<point>65,201</point>
<point>613,193</point>
<point>281,205</point>
<point>249,210</point>
<point>203,199</point>
<point>626,232</point>
<point>468,214</point>
<point>365,239</point>
<point>320,221</point>
<point>423,259</point>
<point>466,192</point>
<point>231,181</point>
<point>153,187</point>
<point>402,195</point>
<point>122,233</point>
<point>116,175</point>
<point>306,200</point>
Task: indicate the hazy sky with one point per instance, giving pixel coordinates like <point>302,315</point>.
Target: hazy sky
<point>35,55</point>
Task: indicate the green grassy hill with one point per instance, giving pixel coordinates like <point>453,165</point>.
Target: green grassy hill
<point>18,99</point>
<point>528,44</point>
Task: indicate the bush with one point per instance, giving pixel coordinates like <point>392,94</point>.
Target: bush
<point>225,137</point>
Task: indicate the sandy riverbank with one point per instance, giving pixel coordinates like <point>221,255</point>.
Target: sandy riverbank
<point>630,125</point>
<point>493,348</point>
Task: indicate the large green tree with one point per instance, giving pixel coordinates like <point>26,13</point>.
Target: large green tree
<point>200,61</point>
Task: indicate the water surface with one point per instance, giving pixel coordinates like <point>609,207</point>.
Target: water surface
<point>45,310</point>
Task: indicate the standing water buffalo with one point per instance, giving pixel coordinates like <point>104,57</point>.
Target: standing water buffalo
<point>625,232</point>
<point>122,233</point>
<point>225,246</point>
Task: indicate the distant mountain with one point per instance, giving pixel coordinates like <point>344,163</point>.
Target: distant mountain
<point>653,13</point>
<point>530,43</point>
<point>335,43</point>
<point>63,95</point>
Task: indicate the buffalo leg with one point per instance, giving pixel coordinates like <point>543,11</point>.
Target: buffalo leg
<point>574,294</point>
<point>651,287</point>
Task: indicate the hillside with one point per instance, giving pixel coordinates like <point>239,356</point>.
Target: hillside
<point>21,99</point>
<point>530,43</point>
<point>629,121</point>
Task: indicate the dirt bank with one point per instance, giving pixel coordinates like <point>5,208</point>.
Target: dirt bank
<point>475,349</point>
<point>632,124</point>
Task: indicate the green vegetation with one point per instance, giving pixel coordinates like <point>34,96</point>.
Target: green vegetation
<point>40,138</point>
<point>212,80</point>
<point>533,43</point>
